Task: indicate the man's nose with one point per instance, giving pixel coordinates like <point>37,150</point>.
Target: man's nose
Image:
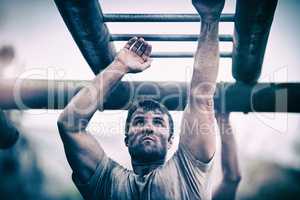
<point>149,128</point>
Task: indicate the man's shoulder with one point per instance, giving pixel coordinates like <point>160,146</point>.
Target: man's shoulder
<point>186,160</point>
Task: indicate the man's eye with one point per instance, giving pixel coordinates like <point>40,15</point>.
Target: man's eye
<point>158,123</point>
<point>139,122</point>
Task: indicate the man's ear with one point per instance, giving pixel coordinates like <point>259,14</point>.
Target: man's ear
<point>170,141</point>
<point>126,140</point>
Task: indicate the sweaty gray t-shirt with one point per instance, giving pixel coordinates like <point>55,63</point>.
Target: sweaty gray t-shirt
<point>181,178</point>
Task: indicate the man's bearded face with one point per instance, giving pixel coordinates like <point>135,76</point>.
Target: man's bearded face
<point>148,138</point>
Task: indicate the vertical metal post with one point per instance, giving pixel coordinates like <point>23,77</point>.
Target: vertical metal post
<point>253,21</point>
<point>84,19</point>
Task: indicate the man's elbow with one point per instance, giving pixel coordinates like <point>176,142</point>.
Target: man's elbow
<point>233,178</point>
<point>202,89</point>
<point>202,103</point>
<point>61,121</point>
<point>68,123</point>
<point>63,124</point>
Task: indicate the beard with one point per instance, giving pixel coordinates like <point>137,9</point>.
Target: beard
<point>148,151</point>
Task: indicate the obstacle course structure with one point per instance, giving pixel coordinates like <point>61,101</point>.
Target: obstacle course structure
<point>87,24</point>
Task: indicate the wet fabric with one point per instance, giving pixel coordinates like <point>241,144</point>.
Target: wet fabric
<point>181,178</point>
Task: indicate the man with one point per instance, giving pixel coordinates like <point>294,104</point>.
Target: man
<point>8,133</point>
<point>7,55</point>
<point>10,65</point>
<point>227,189</point>
<point>149,129</point>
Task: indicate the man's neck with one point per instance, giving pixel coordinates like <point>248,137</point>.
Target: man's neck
<point>143,168</point>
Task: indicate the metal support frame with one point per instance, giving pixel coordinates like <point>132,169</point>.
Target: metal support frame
<point>253,21</point>
<point>86,23</point>
<point>84,20</point>
<point>8,133</point>
<point>116,17</point>
<point>238,97</point>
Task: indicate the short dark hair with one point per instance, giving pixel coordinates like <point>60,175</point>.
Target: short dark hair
<point>148,105</point>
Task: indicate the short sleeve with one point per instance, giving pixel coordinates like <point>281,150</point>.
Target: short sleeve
<point>186,156</point>
<point>99,183</point>
<point>195,174</point>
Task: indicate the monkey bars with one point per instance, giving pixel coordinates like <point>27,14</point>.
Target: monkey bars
<point>87,25</point>
<point>252,22</point>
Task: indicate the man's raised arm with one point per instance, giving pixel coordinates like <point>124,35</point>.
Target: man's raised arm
<point>230,167</point>
<point>197,129</point>
<point>82,150</point>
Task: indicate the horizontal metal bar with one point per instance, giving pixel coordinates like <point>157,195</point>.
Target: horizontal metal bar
<point>166,37</point>
<point>236,97</point>
<point>184,54</point>
<point>116,17</point>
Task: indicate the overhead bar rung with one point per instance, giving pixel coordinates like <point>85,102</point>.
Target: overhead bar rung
<point>166,37</point>
<point>184,54</point>
<point>116,17</point>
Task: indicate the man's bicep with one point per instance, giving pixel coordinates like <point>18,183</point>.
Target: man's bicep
<point>197,130</point>
<point>83,153</point>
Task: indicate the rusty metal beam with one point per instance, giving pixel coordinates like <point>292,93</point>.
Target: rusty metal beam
<point>253,20</point>
<point>8,133</point>
<point>238,97</point>
<point>84,20</point>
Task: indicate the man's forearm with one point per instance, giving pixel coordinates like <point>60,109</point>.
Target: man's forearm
<point>230,166</point>
<point>206,60</point>
<point>88,100</point>
<point>231,174</point>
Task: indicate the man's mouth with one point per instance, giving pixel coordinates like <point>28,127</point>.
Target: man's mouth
<point>148,138</point>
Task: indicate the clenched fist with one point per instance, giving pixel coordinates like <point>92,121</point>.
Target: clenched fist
<point>209,10</point>
<point>135,56</point>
